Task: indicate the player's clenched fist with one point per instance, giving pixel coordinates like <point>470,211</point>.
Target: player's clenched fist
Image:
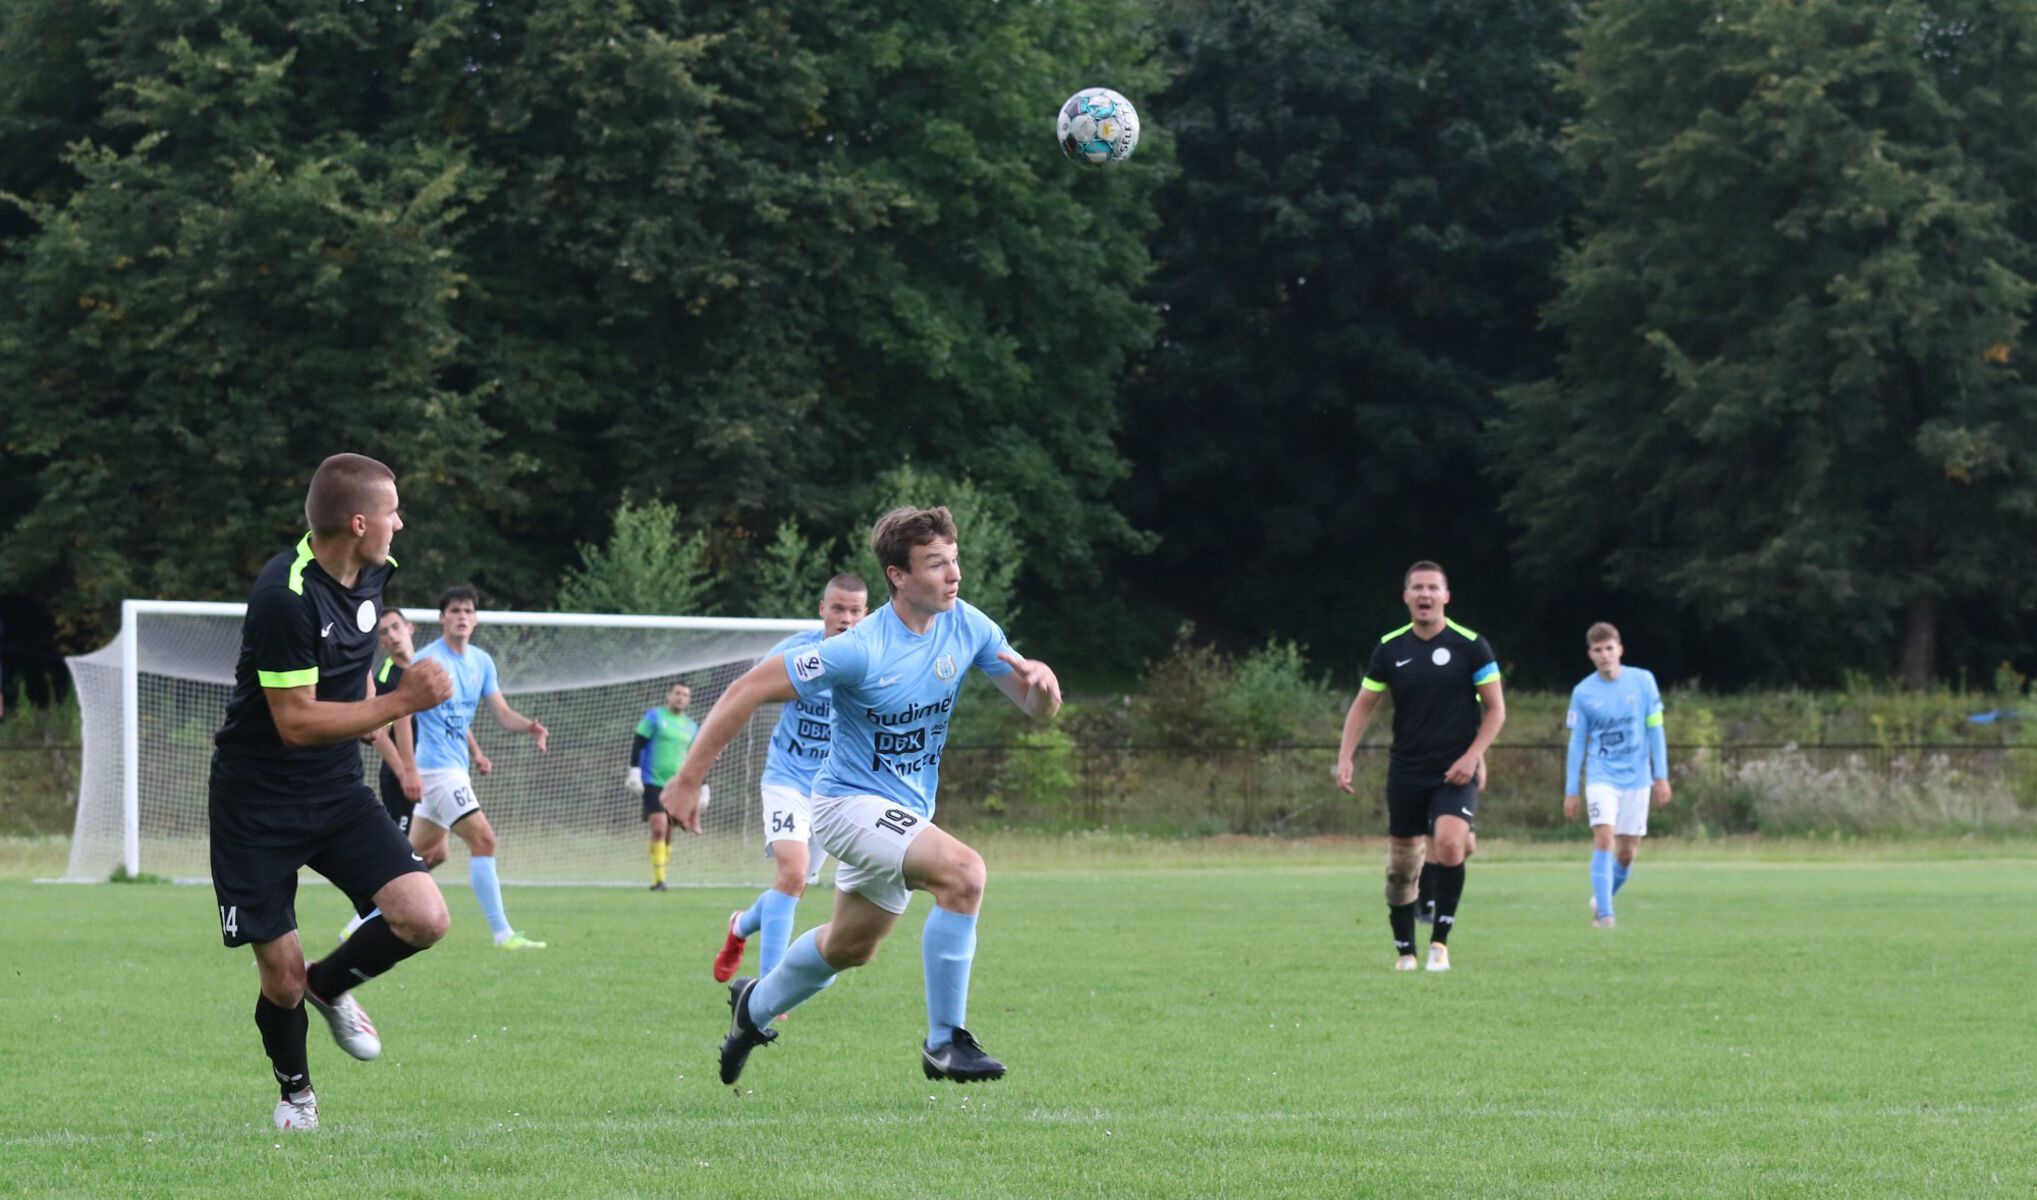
<point>425,685</point>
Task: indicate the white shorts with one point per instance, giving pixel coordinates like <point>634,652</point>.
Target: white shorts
<point>869,835</point>
<point>788,814</point>
<point>448,796</point>
<point>1625,809</point>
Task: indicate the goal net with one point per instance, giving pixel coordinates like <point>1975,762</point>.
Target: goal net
<point>153,697</point>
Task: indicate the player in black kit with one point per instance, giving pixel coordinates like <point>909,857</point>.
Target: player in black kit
<point>1447,708</point>
<point>286,789</point>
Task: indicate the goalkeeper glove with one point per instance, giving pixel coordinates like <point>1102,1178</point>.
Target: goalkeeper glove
<point>633,783</point>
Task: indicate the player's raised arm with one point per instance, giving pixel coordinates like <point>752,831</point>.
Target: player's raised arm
<point>1031,685</point>
<point>302,719</point>
<point>765,683</point>
<point>516,722</point>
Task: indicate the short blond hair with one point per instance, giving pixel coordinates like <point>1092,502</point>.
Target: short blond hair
<point>1603,631</point>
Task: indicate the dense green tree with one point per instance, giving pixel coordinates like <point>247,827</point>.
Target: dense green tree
<point>648,565</point>
<point>222,298</point>
<point>1367,215</point>
<point>1791,400</point>
<point>959,294</point>
<point>990,539</point>
<point>546,257</point>
<point>788,573</point>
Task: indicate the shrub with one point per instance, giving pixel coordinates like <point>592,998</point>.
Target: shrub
<point>1039,771</point>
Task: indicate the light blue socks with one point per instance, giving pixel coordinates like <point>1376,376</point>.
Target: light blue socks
<point>1602,864</point>
<point>799,977</point>
<point>775,921</point>
<point>772,914</point>
<point>948,947</point>
<point>751,919</point>
<point>1620,871</point>
<point>488,891</point>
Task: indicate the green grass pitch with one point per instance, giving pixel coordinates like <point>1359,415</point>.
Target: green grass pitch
<point>1223,1025</point>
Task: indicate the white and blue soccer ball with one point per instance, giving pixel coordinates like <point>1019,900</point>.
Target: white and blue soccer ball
<point>1098,126</point>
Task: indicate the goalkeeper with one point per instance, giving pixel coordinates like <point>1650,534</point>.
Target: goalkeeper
<point>663,737</point>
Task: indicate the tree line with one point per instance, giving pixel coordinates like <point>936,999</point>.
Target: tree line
<point>1705,318</point>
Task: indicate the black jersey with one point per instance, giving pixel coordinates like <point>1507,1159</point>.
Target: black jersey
<point>302,629</point>
<point>387,678</point>
<point>1435,696</point>
<point>386,681</point>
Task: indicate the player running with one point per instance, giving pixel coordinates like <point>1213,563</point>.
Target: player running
<point>799,744</point>
<point>663,737</point>
<point>895,678</point>
<point>1616,727</point>
<point>443,744</point>
<point>1447,709</point>
<point>285,789</point>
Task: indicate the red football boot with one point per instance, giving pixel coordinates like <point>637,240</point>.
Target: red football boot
<point>731,956</point>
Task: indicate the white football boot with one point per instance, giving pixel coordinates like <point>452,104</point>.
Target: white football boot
<point>298,1111</point>
<point>351,1027</point>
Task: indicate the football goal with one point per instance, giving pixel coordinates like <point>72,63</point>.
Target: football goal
<point>153,697</point>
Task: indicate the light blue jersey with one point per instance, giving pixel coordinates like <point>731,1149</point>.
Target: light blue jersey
<point>799,742</point>
<point>442,731</point>
<point>1621,720</point>
<point>893,693</point>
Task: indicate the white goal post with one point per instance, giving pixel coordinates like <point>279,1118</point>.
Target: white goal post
<point>153,697</point>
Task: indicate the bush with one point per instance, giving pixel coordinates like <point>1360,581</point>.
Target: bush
<point>1039,770</point>
<point>1792,794</point>
<point>1198,696</point>
<point>648,566</point>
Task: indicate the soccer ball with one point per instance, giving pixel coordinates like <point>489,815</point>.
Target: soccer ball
<point>1098,126</point>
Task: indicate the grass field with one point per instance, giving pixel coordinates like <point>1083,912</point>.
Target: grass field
<point>1848,1025</point>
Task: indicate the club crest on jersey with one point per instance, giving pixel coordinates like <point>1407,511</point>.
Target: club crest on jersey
<point>365,616</point>
<point>1440,656</point>
<point>944,667</point>
<point>806,667</point>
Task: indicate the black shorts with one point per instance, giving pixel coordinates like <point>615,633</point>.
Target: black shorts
<point>652,792</point>
<point>398,806</point>
<point>1412,808</point>
<point>259,842</point>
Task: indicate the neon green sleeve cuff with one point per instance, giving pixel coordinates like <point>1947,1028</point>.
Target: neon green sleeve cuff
<point>288,679</point>
<point>1372,685</point>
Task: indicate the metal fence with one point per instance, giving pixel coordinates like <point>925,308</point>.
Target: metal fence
<point>1287,790</point>
<point>38,786</point>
